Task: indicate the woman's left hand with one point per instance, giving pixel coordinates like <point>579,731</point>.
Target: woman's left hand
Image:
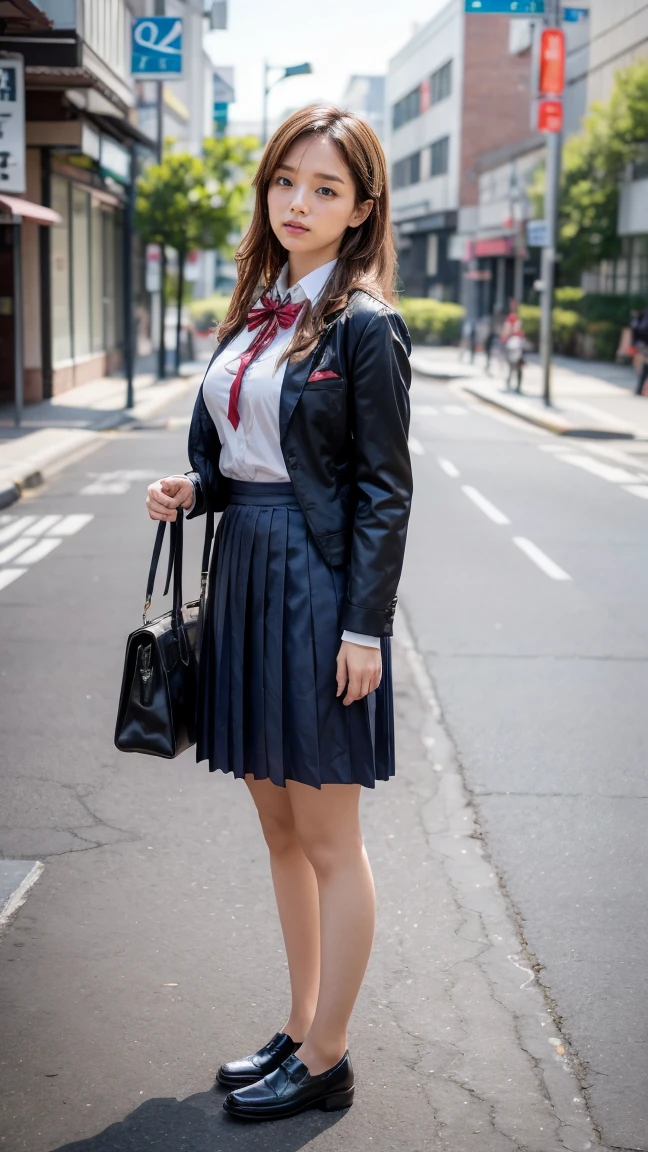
<point>359,669</point>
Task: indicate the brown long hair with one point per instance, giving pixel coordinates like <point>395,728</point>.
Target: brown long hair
<point>367,257</point>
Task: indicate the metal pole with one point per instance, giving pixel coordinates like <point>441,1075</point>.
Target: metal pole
<point>159,11</point>
<point>129,344</point>
<point>18,322</point>
<point>552,189</point>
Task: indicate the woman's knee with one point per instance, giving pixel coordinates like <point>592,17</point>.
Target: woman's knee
<point>275,815</point>
<point>328,852</point>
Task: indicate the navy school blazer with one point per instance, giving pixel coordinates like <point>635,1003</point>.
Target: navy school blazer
<point>343,426</point>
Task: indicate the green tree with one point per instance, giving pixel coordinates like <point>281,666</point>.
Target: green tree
<point>189,202</point>
<point>614,135</point>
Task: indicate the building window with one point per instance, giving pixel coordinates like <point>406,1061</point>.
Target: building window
<point>439,152</point>
<point>81,282</point>
<point>406,108</point>
<point>441,83</point>
<point>407,171</point>
<point>60,268</point>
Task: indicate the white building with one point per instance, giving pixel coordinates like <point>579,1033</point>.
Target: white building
<point>423,143</point>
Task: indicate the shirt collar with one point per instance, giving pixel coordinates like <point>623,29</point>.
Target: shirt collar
<point>308,288</point>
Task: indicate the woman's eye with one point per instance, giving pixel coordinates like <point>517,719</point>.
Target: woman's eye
<point>328,191</point>
<point>287,181</point>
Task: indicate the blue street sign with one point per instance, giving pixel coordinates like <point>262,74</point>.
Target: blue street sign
<point>157,48</point>
<point>536,233</point>
<point>506,7</point>
<point>575,15</point>
<point>220,117</point>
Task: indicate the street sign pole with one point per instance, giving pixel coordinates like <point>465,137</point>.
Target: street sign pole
<point>553,18</point>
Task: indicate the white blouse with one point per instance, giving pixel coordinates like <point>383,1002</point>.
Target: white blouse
<point>252,451</point>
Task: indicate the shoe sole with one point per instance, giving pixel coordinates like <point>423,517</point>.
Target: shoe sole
<point>334,1102</point>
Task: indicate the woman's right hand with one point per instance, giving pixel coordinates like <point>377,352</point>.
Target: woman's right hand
<point>167,495</point>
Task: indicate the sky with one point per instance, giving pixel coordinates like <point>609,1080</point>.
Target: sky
<point>339,38</point>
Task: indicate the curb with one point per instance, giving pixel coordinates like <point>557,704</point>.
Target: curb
<point>12,486</point>
<point>556,424</point>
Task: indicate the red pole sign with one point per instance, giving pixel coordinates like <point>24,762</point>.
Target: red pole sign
<point>550,116</point>
<point>552,62</point>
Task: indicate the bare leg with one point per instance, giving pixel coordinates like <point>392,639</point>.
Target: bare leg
<point>328,826</point>
<point>297,899</point>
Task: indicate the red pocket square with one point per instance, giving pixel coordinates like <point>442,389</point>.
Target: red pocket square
<point>324,374</point>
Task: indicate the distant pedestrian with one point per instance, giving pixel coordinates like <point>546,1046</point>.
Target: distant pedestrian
<point>299,436</point>
<point>513,341</point>
<point>639,328</point>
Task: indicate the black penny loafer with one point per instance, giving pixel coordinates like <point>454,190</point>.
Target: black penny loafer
<point>291,1089</point>
<point>238,1073</point>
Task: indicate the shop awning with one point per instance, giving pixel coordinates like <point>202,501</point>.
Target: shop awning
<point>27,210</point>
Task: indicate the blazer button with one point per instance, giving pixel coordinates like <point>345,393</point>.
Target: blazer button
<point>293,465</point>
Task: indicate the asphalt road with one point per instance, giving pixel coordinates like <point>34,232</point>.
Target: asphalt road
<point>148,951</point>
<point>543,683</point>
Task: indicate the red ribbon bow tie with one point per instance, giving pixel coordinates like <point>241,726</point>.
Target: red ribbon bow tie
<point>269,318</point>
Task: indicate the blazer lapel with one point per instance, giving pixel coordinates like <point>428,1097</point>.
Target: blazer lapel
<point>292,387</point>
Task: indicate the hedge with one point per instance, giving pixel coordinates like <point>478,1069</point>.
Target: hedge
<point>566,325</point>
<point>429,321</point>
<point>206,314</point>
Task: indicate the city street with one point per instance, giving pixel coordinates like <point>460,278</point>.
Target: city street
<point>504,1001</point>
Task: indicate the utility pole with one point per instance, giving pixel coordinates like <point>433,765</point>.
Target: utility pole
<point>161,369</point>
<point>550,120</point>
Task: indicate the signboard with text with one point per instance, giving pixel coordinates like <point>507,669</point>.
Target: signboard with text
<point>506,7</point>
<point>12,126</point>
<point>536,233</point>
<point>550,116</point>
<point>156,48</point>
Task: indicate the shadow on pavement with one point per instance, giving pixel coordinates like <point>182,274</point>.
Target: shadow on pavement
<point>200,1125</point>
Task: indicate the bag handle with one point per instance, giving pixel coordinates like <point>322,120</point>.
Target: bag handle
<point>175,562</point>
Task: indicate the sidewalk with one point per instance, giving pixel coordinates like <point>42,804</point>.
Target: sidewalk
<point>56,431</point>
<point>589,398</point>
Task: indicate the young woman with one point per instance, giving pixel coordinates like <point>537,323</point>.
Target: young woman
<point>299,435</point>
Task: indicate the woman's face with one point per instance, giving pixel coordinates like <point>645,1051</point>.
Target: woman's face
<point>312,199</point>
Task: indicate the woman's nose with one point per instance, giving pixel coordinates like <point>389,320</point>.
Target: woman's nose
<point>298,201</point>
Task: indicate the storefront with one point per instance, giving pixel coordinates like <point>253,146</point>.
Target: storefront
<point>424,262</point>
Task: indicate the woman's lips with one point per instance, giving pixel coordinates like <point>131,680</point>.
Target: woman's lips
<point>295,229</point>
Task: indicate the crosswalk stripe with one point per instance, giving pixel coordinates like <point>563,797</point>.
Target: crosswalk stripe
<point>41,548</point>
<point>72,524</point>
<point>15,548</point>
<point>43,525</point>
<point>8,575</point>
<point>637,490</point>
<point>15,527</point>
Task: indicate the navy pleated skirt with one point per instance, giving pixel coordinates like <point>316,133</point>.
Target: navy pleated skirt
<point>267,703</point>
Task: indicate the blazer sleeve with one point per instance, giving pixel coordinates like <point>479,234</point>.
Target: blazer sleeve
<point>204,451</point>
<point>379,396</point>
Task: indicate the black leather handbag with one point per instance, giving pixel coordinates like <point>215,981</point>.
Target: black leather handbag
<point>157,703</point>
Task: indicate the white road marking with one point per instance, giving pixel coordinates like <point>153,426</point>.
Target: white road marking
<point>8,575</point>
<point>489,509</point>
<point>15,527</point>
<point>448,467</point>
<point>114,483</point>
<point>416,446</point>
<point>637,490</point>
<point>455,410</point>
<point>15,548</point>
<point>604,471</point>
<point>540,558</point>
<point>43,525</point>
<point>424,410</point>
<point>70,525</point>
<point>41,549</point>
<point>32,538</point>
<point>555,447</point>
